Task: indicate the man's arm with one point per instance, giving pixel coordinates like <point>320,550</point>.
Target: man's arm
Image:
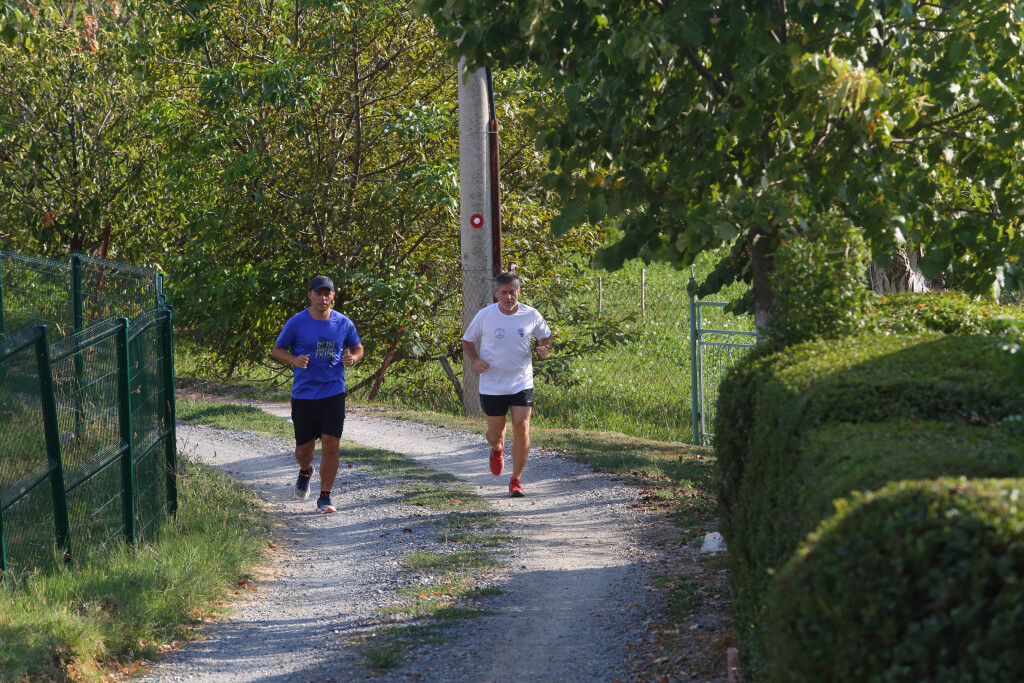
<point>352,355</point>
<point>282,355</point>
<point>544,346</point>
<point>469,351</point>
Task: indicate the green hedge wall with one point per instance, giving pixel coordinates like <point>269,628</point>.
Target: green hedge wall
<point>925,582</point>
<point>800,428</point>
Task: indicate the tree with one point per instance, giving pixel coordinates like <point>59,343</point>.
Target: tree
<point>691,123</point>
<point>308,137</point>
<point>76,153</point>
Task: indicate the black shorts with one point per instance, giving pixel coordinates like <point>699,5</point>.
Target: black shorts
<point>496,406</point>
<point>313,417</point>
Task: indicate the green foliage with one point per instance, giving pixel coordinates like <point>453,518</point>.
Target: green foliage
<point>77,156</point>
<point>916,581</point>
<point>819,288</point>
<point>319,139</point>
<point>691,124</point>
<point>123,604</point>
<point>945,312</point>
<point>803,427</point>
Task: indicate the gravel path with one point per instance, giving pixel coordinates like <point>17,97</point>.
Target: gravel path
<point>576,588</point>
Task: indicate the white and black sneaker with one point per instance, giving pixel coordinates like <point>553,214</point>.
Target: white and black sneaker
<point>324,504</point>
<point>302,485</point>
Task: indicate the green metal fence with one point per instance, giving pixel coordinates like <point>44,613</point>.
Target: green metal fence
<point>713,351</point>
<point>69,296</point>
<point>87,437</point>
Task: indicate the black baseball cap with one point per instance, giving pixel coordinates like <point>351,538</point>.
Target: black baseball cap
<point>319,282</point>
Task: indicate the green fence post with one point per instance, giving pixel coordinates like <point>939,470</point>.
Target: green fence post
<point>78,315</point>
<point>77,309</point>
<point>3,547</point>
<point>52,432</point>
<point>169,410</point>
<point>698,437</point>
<point>161,300</point>
<point>124,399</point>
<point>3,331</point>
<point>3,326</point>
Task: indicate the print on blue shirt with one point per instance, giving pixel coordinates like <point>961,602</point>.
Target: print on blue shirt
<point>324,348</point>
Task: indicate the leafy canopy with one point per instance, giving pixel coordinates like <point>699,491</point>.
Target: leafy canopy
<point>76,154</point>
<point>691,123</point>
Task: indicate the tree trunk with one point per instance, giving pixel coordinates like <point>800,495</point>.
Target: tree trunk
<point>451,376</point>
<point>761,268</point>
<point>902,276</point>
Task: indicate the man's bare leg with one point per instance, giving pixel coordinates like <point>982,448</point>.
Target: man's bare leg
<point>329,459</point>
<point>304,454</point>
<point>520,438</point>
<point>496,431</point>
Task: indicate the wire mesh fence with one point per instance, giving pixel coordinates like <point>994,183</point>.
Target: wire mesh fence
<point>713,350</point>
<point>87,438</point>
<point>67,297</point>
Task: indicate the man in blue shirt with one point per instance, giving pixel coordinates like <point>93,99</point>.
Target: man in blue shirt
<point>319,343</point>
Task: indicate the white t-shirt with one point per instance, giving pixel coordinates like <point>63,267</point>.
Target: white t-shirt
<point>505,344</point>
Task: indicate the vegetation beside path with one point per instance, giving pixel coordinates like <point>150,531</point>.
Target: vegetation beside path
<point>113,613</point>
<point>115,610</point>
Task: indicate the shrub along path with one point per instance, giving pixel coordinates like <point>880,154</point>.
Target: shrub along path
<point>574,596</point>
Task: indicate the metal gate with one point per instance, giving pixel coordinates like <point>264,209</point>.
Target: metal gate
<point>712,353</point>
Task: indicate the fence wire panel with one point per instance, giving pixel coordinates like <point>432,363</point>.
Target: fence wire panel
<point>718,353</point>
<point>150,429</point>
<point>117,290</point>
<point>86,416</point>
<point>718,348</point>
<point>36,291</point>
<point>27,525</point>
<point>84,368</point>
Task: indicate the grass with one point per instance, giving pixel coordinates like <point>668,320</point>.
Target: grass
<point>640,389</point>
<point>231,416</point>
<point>115,610</point>
<point>470,534</point>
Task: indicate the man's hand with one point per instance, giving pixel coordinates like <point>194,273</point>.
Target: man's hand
<point>347,359</point>
<point>302,361</point>
<point>543,351</point>
<point>480,365</point>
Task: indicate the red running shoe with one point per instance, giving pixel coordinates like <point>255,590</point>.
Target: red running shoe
<point>497,461</point>
<point>515,489</point>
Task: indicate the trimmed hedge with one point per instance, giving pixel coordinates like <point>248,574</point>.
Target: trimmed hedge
<point>800,428</point>
<point>925,583</point>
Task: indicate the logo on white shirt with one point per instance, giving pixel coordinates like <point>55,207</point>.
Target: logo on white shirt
<point>499,333</point>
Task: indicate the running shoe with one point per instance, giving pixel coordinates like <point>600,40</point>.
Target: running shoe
<point>324,504</point>
<point>302,485</point>
<point>497,461</point>
<point>515,488</point>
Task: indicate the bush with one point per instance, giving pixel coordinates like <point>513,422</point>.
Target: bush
<point>800,428</point>
<point>946,312</point>
<point>919,581</point>
<point>819,285</point>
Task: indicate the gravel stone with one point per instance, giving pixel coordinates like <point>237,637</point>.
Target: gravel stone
<point>577,596</point>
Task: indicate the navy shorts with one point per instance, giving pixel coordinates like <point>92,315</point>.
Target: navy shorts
<point>313,417</point>
<point>496,406</point>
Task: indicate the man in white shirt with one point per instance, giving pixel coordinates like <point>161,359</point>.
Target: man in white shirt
<point>505,365</point>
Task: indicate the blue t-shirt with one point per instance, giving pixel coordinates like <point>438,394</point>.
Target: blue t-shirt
<point>324,341</point>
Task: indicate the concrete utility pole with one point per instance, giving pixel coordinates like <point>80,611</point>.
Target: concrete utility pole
<point>475,213</point>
